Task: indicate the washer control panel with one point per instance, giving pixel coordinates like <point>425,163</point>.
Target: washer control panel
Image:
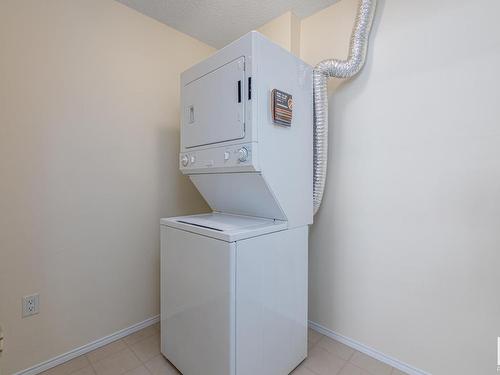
<point>235,158</point>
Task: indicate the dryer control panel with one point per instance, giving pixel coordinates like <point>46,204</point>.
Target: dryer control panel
<point>233,158</point>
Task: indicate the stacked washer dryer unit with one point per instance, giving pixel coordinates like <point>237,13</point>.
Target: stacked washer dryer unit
<point>234,282</point>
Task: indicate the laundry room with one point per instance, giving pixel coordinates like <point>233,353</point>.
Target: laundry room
<point>229,187</point>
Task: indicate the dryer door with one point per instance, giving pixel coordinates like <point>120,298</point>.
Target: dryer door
<point>214,106</point>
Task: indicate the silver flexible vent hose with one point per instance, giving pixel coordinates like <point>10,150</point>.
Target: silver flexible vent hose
<point>338,69</point>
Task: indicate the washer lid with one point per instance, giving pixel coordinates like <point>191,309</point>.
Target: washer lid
<point>226,227</point>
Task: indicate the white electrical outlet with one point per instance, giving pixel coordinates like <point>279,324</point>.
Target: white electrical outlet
<point>31,305</point>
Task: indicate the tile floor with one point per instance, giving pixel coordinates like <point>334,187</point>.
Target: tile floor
<point>139,354</point>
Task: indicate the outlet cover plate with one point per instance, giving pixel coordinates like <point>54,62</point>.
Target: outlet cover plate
<point>31,305</point>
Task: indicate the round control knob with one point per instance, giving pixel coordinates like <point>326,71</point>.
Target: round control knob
<point>242,154</point>
<point>184,160</point>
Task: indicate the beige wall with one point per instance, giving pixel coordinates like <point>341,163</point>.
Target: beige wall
<point>284,31</point>
<point>405,251</point>
<point>89,97</point>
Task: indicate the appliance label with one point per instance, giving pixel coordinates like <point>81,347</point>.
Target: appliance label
<point>281,107</point>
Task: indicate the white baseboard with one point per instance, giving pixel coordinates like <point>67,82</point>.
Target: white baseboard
<point>37,369</point>
<point>367,350</point>
<point>88,347</point>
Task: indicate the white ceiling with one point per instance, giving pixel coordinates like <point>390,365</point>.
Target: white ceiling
<point>218,22</point>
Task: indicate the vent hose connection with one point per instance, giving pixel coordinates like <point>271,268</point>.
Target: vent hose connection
<point>338,69</point>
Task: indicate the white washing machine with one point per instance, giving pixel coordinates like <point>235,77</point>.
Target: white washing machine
<point>234,282</point>
<point>234,295</point>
